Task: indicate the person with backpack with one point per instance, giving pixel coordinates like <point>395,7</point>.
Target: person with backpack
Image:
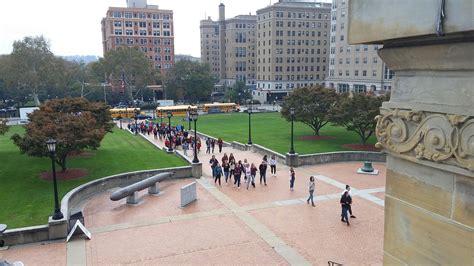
<point>231,168</point>
<point>263,172</point>
<point>213,162</point>
<point>213,145</point>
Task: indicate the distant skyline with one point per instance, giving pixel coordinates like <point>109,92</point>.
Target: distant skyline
<point>76,30</point>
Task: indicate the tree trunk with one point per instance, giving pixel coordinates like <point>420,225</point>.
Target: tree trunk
<point>62,163</point>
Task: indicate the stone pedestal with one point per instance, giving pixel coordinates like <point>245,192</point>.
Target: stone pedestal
<point>133,199</point>
<point>155,189</point>
<point>427,128</point>
<point>197,170</point>
<point>57,229</point>
<point>292,160</point>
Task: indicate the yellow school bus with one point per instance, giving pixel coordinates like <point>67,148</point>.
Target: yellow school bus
<point>124,112</point>
<point>221,107</point>
<point>176,110</point>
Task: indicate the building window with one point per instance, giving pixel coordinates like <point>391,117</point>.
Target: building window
<point>142,24</point>
<point>347,73</point>
<point>375,60</point>
<point>117,23</point>
<point>342,88</point>
<point>364,73</point>
<point>342,37</point>
<point>117,14</point>
<point>118,32</point>
<point>142,32</point>
<point>356,73</point>
<point>128,15</point>
<point>374,73</point>
<point>365,60</point>
<point>128,24</point>
<point>360,88</point>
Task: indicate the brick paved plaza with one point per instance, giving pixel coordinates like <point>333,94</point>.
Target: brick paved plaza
<point>262,225</point>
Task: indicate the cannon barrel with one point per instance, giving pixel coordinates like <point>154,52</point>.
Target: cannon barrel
<point>141,185</point>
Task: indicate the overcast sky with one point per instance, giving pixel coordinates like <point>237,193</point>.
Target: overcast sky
<point>73,27</point>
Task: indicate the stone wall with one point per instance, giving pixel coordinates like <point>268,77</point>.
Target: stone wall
<point>344,156</point>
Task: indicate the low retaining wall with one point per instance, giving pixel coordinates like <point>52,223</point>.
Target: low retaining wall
<point>204,137</point>
<point>75,199</point>
<point>344,156</point>
<point>239,146</point>
<point>280,158</point>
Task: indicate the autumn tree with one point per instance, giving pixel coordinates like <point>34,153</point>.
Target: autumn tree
<point>357,113</point>
<point>189,80</point>
<point>75,123</point>
<point>312,106</point>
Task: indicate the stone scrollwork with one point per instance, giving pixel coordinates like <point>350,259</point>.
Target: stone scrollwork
<point>435,137</point>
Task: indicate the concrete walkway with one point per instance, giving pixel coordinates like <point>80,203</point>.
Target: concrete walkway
<point>263,225</point>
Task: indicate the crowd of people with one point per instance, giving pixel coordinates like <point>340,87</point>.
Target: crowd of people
<point>233,170</point>
<point>237,171</point>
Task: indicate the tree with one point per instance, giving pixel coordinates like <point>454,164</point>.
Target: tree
<point>125,64</point>
<point>189,80</point>
<point>312,106</point>
<point>3,126</point>
<point>357,113</point>
<point>238,93</point>
<point>31,65</point>
<point>75,123</point>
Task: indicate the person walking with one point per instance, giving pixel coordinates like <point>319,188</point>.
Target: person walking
<point>213,162</point>
<point>220,143</point>
<point>253,173</point>
<point>225,158</point>
<point>349,208</point>
<point>272,163</point>
<point>208,146</point>
<point>217,173</point>
<point>226,168</point>
<point>246,170</point>
<point>345,201</point>
<point>311,187</point>
<point>231,168</point>
<point>292,178</point>
<point>185,148</point>
<point>237,173</point>
<point>213,145</point>
<point>263,172</point>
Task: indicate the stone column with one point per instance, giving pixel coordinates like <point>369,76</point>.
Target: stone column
<point>427,128</point>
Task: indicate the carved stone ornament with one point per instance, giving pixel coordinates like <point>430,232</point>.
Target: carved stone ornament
<point>440,138</point>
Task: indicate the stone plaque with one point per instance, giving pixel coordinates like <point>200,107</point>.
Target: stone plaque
<point>188,194</point>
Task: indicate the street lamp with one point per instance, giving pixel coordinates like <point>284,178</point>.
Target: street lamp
<point>292,113</point>
<point>250,124</point>
<point>189,117</point>
<point>136,122</point>
<point>170,148</point>
<point>194,117</point>
<point>51,144</point>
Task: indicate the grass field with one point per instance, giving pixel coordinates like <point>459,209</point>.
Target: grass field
<point>272,131</point>
<point>27,200</point>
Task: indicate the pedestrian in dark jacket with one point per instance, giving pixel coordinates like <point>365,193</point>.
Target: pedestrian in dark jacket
<point>263,172</point>
<point>345,201</point>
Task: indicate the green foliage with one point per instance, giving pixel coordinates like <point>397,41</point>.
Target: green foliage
<point>3,126</point>
<point>312,106</point>
<point>136,67</point>
<point>74,123</point>
<point>32,70</point>
<point>189,80</point>
<point>27,200</point>
<point>238,93</point>
<point>357,113</point>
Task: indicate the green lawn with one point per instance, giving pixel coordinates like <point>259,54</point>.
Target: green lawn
<point>272,131</point>
<point>27,200</point>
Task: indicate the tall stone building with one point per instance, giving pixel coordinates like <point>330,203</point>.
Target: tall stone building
<point>355,68</point>
<point>292,47</point>
<point>143,26</point>
<point>228,46</point>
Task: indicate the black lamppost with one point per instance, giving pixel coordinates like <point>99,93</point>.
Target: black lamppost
<point>194,117</point>
<point>136,122</point>
<point>250,125</point>
<point>170,148</point>
<point>189,118</point>
<point>292,113</point>
<point>58,215</point>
